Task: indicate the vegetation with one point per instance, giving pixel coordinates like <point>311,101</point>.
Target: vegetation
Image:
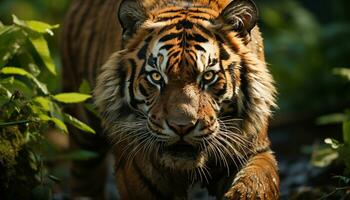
<point>29,110</point>
<point>336,151</point>
<point>303,51</point>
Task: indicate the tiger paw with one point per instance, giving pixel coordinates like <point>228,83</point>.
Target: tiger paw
<point>253,187</point>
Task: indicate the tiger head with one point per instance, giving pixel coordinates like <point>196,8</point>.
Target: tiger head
<point>186,89</point>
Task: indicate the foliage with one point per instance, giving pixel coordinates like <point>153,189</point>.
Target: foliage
<point>303,49</point>
<point>336,150</point>
<point>51,11</point>
<point>28,110</point>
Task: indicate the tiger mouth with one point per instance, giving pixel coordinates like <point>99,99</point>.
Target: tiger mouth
<point>182,150</point>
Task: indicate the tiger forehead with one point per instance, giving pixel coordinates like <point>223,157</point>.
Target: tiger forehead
<point>183,47</point>
<point>169,4</point>
<point>189,12</point>
<point>182,43</point>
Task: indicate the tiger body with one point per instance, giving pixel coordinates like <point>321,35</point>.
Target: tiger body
<point>184,94</point>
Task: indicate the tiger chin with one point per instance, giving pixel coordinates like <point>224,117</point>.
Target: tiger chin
<point>187,100</point>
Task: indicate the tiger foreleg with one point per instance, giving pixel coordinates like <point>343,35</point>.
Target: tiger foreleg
<point>257,180</point>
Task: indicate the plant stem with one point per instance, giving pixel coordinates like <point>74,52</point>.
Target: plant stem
<point>5,124</point>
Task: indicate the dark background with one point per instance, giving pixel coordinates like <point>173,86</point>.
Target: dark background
<point>305,40</point>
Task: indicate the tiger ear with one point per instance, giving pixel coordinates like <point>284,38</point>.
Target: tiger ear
<point>241,15</point>
<point>131,15</point>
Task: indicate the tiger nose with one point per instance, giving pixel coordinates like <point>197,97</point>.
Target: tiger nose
<point>182,129</point>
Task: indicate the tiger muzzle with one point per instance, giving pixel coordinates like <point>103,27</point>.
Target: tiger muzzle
<point>182,129</point>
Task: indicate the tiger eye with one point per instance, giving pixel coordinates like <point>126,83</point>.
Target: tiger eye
<point>156,76</point>
<point>208,76</point>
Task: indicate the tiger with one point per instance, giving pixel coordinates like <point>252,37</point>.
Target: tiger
<point>184,95</point>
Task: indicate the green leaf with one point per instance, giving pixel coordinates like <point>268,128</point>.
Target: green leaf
<point>14,70</point>
<point>332,142</point>
<point>55,178</point>
<point>4,99</point>
<point>38,110</point>
<point>78,124</point>
<point>12,85</point>
<point>34,69</point>
<point>26,61</point>
<point>85,87</point>
<point>22,72</point>
<point>346,132</point>
<point>41,27</point>
<point>11,40</point>
<point>36,26</point>
<point>18,21</point>
<point>59,124</point>
<point>42,48</point>
<point>8,30</point>
<point>38,40</point>
<point>44,117</point>
<point>72,97</point>
<point>9,80</point>
<point>4,92</point>
<point>56,111</point>
<point>343,179</point>
<point>45,103</point>
<point>323,157</point>
<point>331,119</point>
<point>342,72</point>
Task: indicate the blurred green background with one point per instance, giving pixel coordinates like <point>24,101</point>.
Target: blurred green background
<point>51,11</point>
<point>305,41</point>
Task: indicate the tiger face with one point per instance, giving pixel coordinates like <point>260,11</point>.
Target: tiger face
<point>183,86</point>
<point>174,94</point>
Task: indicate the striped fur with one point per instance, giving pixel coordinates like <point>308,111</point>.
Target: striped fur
<point>185,101</point>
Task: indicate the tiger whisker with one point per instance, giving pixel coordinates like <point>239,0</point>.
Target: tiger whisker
<point>136,149</point>
<point>228,146</point>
